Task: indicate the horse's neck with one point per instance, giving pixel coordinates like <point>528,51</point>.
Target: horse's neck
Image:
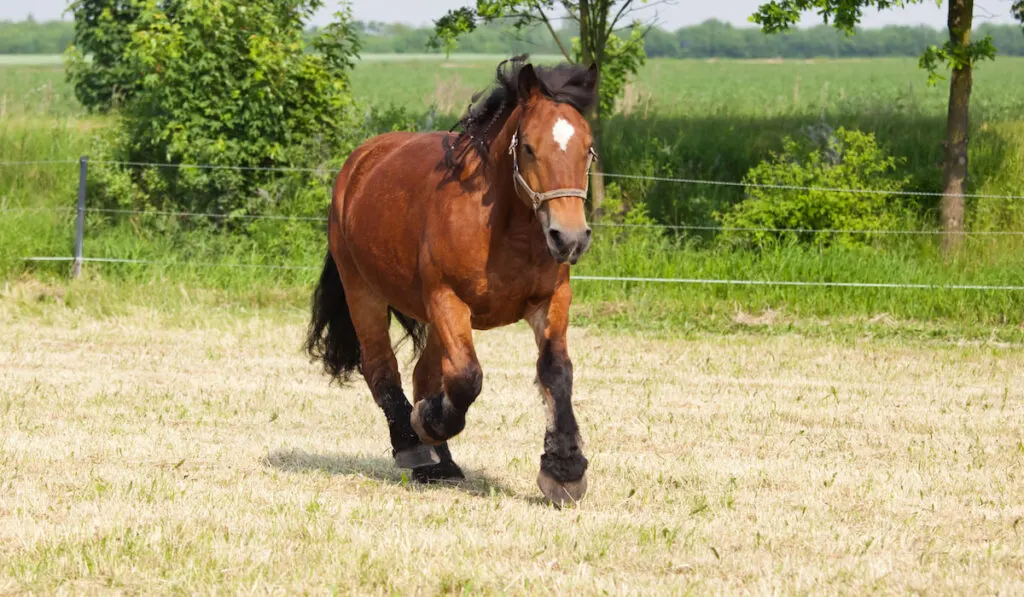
<point>515,211</point>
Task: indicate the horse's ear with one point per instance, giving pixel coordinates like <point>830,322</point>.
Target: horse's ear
<point>528,82</point>
<point>590,82</point>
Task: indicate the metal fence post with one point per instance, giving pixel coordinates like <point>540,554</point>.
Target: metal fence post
<point>83,168</point>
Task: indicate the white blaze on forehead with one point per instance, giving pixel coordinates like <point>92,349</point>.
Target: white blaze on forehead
<point>562,132</point>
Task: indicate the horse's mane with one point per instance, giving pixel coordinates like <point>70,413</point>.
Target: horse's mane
<point>489,109</point>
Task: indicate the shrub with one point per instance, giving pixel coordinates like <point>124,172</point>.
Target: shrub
<point>96,68</point>
<point>840,159</point>
<point>232,84</point>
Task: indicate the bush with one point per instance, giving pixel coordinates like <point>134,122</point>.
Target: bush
<point>95,59</point>
<point>840,159</point>
<point>232,84</point>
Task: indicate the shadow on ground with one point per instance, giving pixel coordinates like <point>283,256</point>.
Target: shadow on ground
<point>292,460</point>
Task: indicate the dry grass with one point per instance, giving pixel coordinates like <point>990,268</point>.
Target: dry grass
<point>145,457</point>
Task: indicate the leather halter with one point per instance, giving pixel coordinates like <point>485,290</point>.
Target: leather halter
<point>536,198</point>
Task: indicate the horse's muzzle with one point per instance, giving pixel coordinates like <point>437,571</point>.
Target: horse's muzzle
<point>568,247</point>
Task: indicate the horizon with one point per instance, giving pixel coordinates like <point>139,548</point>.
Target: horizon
<point>671,16</point>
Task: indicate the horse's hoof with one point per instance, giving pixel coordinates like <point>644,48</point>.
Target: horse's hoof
<point>418,457</point>
<point>561,494</point>
<point>438,473</point>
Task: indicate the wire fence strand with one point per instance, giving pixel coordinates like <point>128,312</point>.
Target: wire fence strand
<point>807,230</point>
<point>676,180</point>
<point>201,264</point>
<point>677,227</point>
<point>191,214</point>
<point>786,187</point>
<point>584,278</point>
<point>890,285</point>
<point>322,169</point>
<point>673,227</point>
<point>54,209</point>
<point>37,162</point>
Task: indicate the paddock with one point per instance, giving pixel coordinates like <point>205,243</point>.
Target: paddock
<point>145,453</point>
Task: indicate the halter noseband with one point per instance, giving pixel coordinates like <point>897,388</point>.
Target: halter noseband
<point>536,198</point>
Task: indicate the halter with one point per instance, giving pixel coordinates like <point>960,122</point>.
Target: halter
<point>536,198</point>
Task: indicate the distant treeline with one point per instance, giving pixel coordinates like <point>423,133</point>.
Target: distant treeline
<point>712,39</point>
<point>33,37</point>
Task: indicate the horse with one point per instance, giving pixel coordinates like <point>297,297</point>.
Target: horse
<point>454,231</point>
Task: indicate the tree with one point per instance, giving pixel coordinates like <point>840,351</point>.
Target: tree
<point>601,25</point>
<point>959,53</point>
<point>228,83</point>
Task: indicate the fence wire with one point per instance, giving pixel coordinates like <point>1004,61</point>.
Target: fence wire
<point>693,181</point>
<point>37,162</point>
<point>581,278</point>
<point>786,187</point>
<point>672,227</point>
<point>677,227</point>
<point>190,214</point>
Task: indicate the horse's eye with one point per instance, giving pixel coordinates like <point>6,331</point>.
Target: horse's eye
<point>529,150</point>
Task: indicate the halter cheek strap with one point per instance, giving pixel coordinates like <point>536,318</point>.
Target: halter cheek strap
<point>536,198</point>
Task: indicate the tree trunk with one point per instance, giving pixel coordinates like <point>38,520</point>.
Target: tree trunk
<point>596,173</point>
<point>954,167</point>
<point>590,53</point>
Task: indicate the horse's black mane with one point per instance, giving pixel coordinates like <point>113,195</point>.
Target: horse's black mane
<point>490,108</point>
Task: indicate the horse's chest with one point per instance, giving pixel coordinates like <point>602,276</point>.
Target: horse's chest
<point>507,289</point>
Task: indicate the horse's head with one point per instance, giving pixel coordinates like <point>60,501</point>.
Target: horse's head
<point>552,153</point>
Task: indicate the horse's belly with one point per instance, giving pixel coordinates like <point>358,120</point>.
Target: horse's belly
<point>498,317</point>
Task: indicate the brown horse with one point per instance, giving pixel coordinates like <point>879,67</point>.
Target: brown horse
<point>455,232</point>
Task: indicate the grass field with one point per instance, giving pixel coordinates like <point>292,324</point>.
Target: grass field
<point>200,453</point>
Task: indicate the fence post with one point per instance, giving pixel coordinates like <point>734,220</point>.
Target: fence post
<point>83,168</point>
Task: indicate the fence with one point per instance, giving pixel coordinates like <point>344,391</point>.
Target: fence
<point>81,209</point>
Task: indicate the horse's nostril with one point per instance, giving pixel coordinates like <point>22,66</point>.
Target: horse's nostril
<point>556,237</point>
<point>588,232</point>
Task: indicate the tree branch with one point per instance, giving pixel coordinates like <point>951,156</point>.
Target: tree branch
<point>613,22</point>
<point>551,29</point>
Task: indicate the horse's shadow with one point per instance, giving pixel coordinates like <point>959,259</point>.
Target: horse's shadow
<point>292,460</point>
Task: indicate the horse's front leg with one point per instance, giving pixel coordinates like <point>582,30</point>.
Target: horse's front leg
<point>563,467</point>
<point>443,416</point>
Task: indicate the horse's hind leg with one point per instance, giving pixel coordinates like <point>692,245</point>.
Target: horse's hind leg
<point>427,382</point>
<point>380,369</point>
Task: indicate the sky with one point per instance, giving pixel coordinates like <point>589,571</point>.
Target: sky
<point>683,12</point>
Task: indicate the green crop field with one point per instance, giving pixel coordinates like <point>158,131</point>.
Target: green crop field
<point>758,88</point>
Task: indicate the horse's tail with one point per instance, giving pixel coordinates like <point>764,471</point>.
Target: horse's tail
<point>331,337</point>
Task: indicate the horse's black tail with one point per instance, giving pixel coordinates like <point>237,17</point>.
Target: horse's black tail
<point>331,337</point>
